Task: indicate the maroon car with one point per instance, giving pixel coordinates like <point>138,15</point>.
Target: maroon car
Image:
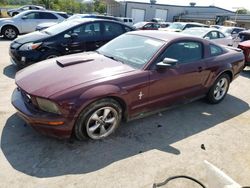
<point>245,46</point>
<point>147,26</point>
<point>88,94</point>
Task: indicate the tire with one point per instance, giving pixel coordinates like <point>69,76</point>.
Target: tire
<point>92,122</point>
<point>9,32</point>
<point>219,89</point>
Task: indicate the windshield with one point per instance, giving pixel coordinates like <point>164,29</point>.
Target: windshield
<point>195,32</point>
<point>176,26</point>
<point>58,28</point>
<point>132,50</point>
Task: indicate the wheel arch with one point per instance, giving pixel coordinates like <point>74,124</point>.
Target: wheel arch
<point>10,25</point>
<point>104,92</point>
<point>228,72</point>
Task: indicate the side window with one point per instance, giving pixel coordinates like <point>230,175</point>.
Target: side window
<point>112,29</point>
<point>88,30</point>
<point>157,26</point>
<point>26,8</point>
<point>215,50</point>
<point>212,35</point>
<point>148,26</point>
<point>184,52</point>
<point>48,16</point>
<point>33,15</point>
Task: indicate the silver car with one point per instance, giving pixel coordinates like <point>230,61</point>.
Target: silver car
<point>26,22</point>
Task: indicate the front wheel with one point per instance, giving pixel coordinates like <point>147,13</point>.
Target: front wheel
<point>10,32</point>
<point>219,89</point>
<point>99,120</point>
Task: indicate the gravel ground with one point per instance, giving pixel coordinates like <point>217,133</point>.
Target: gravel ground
<point>140,153</point>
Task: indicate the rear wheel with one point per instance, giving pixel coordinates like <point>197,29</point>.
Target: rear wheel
<point>10,32</point>
<point>99,120</point>
<point>219,89</point>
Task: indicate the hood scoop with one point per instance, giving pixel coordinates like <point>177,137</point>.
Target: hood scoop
<point>65,62</point>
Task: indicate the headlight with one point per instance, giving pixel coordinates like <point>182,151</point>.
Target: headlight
<point>47,105</point>
<point>30,46</point>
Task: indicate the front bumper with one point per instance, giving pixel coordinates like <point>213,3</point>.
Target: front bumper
<point>24,58</point>
<point>41,120</point>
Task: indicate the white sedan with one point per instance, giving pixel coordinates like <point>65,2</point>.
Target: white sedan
<point>26,22</point>
<point>211,34</point>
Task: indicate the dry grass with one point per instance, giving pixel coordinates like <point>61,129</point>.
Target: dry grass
<point>3,13</point>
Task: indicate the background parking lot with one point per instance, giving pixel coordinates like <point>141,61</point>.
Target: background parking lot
<point>140,153</point>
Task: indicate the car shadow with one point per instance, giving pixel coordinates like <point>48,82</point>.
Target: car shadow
<point>33,154</point>
<point>10,71</point>
<point>246,72</point>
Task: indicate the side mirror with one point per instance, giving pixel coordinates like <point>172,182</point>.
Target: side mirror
<point>24,17</point>
<point>234,32</point>
<point>208,38</point>
<point>167,63</point>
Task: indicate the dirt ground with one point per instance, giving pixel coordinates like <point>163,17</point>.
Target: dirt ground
<point>140,153</point>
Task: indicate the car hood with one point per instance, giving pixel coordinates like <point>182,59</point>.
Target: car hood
<point>32,37</point>
<point>245,44</point>
<point>47,24</point>
<point>49,77</point>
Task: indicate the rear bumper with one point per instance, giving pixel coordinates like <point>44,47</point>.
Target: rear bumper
<point>40,120</point>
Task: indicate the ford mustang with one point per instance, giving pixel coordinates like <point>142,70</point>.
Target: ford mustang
<point>89,94</point>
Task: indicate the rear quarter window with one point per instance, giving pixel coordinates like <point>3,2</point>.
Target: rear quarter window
<point>215,50</point>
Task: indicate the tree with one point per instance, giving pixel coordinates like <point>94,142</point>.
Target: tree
<point>99,6</point>
<point>242,11</point>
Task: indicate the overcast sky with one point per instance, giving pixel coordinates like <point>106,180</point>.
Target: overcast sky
<point>227,4</point>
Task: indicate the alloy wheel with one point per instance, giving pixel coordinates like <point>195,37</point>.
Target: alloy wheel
<point>220,88</point>
<point>102,122</point>
<point>10,33</point>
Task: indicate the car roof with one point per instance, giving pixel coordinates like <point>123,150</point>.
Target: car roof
<point>81,20</point>
<point>163,35</point>
<point>203,28</point>
<point>51,11</point>
<point>194,23</point>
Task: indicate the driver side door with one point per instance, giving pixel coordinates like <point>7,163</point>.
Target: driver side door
<point>181,82</point>
<point>82,38</point>
<point>29,22</point>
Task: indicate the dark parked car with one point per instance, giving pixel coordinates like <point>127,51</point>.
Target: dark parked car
<point>88,94</point>
<point>244,35</point>
<point>233,31</point>
<point>147,26</point>
<point>64,38</point>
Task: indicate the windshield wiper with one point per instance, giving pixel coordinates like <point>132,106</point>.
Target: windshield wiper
<point>45,32</point>
<point>112,57</point>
